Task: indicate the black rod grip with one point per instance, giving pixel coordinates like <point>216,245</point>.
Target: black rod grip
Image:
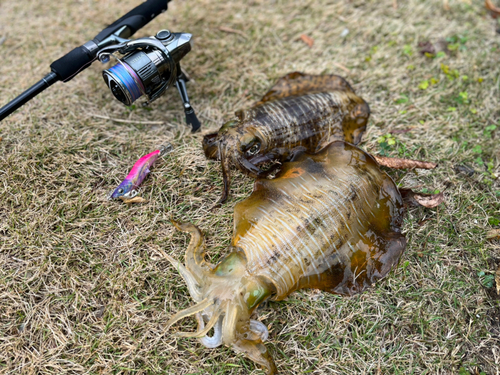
<point>135,19</point>
<point>72,63</point>
<point>29,94</point>
<point>80,58</point>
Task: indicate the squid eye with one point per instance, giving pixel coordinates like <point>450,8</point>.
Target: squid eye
<point>254,149</point>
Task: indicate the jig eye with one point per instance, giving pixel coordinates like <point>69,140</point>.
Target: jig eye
<point>253,150</point>
<point>133,193</point>
<point>120,191</point>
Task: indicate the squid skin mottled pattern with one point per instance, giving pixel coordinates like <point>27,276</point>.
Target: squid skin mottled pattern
<point>300,113</point>
<point>325,221</point>
<point>307,120</point>
<point>330,220</point>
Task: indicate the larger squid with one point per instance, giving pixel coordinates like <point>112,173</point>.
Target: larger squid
<point>300,112</point>
<point>330,221</point>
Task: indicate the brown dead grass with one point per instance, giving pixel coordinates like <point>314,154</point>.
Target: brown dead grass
<point>82,289</point>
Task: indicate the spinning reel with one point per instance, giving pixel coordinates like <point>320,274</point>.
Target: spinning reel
<point>147,66</point>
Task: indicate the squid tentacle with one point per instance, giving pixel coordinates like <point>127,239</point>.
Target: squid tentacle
<point>259,328</point>
<point>250,168</point>
<point>229,324</point>
<point>195,254</point>
<point>211,323</point>
<point>214,341</point>
<point>226,174</point>
<point>191,282</point>
<point>207,302</point>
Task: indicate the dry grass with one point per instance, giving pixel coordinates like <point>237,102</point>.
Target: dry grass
<point>82,287</point>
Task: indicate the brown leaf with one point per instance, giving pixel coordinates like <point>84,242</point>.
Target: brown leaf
<point>397,163</point>
<point>133,200</point>
<point>493,234</point>
<point>307,40</point>
<point>426,47</point>
<point>495,11</point>
<point>464,169</point>
<point>419,199</point>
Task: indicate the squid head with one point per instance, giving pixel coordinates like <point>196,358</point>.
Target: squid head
<point>243,147</point>
<point>225,296</point>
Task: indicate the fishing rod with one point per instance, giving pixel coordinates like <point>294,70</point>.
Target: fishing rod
<point>145,66</point>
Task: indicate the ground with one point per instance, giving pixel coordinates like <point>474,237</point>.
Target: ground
<point>84,287</point>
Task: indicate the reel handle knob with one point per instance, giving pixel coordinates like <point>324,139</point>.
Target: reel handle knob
<point>192,120</point>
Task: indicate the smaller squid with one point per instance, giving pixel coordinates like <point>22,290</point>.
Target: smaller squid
<point>330,220</point>
<point>299,113</point>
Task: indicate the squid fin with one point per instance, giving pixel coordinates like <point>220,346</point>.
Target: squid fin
<point>361,271</point>
<point>296,83</point>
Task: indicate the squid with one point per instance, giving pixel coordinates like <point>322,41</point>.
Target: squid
<point>330,220</point>
<point>299,113</point>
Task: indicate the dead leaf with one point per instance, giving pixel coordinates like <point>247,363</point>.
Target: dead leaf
<point>426,47</point>
<point>497,280</point>
<point>493,234</point>
<point>232,31</point>
<point>397,163</point>
<point>307,40</point>
<point>420,199</point>
<point>495,11</point>
<point>133,200</point>
<point>464,169</point>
